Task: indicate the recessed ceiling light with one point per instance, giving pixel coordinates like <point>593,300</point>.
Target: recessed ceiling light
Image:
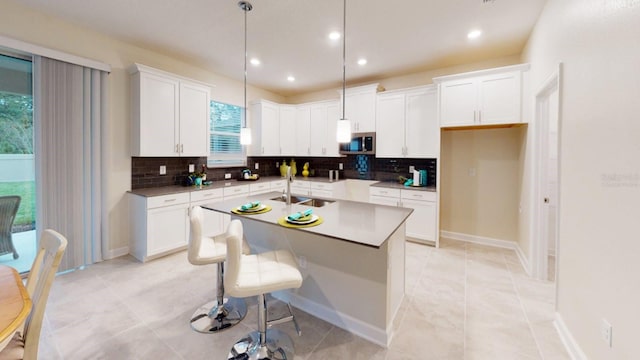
<point>291,78</point>
<point>255,62</point>
<point>362,62</point>
<point>334,35</point>
<point>474,34</point>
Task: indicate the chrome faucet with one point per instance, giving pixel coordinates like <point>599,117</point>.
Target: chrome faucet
<point>289,181</point>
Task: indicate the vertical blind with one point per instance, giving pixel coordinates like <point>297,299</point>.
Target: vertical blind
<point>70,129</point>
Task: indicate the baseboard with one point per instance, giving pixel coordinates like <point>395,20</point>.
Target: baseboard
<point>482,240</point>
<point>112,254</point>
<point>574,350</point>
<point>346,322</point>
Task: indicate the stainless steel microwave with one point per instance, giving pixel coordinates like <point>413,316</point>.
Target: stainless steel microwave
<point>361,143</point>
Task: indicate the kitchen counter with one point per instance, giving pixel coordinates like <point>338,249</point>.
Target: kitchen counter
<point>176,189</point>
<point>357,222</point>
<point>353,264</point>
<point>396,185</point>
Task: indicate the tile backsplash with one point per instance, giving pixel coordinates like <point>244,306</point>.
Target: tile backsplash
<point>145,171</point>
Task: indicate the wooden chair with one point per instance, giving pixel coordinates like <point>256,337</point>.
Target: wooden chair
<point>24,344</point>
<point>8,208</point>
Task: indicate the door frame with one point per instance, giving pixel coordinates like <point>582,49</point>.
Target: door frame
<point>539,243</point>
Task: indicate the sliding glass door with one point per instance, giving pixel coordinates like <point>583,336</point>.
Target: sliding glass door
<point>17,170</point>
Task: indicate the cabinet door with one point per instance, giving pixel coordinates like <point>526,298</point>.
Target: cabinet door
<point>499,99</point>
<point>458,99</point>
<point>287,130</point>
<point>318,116</point>
<point>390,124</point>
<point>270,128</point>
<point>421,224</point>
<point>167,228</point>
<point>422,131</point>
<point>303,131</point>
<point>159,126</point>
<point>194,119</point>
<point>332,148</point>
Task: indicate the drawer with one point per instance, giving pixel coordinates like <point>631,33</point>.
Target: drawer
<point>206,194</point>
<point>236,190</point>
<point>321,186</point>
<point>259,187</point>
<point>381,191</point>
<point>167,200</point>
<point>419,195</point>
<point>278,184</point>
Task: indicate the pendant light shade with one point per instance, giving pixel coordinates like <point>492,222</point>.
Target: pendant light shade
<point>245,132</point>
<point>343,133</point>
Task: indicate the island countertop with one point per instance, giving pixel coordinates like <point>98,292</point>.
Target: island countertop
<point>357,222</point>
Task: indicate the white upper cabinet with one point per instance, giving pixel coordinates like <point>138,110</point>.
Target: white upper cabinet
<point>170,114</point>
<point>303,130</point>
<point>265,124</point>
<point>324,117</point>
<point>360,107</point>
<point>407,123</point>
<point>287,130</point>
<point>481,98</point>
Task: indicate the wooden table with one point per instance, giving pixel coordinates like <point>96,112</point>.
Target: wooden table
<point>15,303</point>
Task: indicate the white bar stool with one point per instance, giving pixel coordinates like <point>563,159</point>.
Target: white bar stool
<point>222,313</point>
<point>257,275</point>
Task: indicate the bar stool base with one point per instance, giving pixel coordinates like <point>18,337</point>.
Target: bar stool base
<point>279,346</point>
<point>211,318</point>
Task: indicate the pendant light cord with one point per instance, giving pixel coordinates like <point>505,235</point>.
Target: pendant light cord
<point>344,50</point>
<point>246,9</point>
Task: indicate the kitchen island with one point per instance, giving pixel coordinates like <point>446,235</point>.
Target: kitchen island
<point>353,263</point>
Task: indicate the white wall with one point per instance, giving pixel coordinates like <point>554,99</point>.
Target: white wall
<point>22,23</point>
<point>599,273</point>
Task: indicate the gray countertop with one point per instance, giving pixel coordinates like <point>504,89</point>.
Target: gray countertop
<point>361,223</point>
<point>395,185</point>
<point>168,190</point>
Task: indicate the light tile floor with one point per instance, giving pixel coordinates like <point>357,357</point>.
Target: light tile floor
<point>463,301</point>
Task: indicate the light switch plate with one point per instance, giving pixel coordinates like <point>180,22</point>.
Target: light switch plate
<point>192,168</point>
<point>163,170</point>
<point>340,166</point>
<point>227,176</point>
<point>257,166</point>
<point>412,168</point>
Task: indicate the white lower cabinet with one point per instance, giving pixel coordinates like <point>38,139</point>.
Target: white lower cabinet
<point>213,223</point>
<point>160,226</point>
<point>422,223</point>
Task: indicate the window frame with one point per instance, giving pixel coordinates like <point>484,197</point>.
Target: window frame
<point>223,160</point>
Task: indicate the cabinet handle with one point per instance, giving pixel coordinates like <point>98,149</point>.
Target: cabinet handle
<point>178,148</point>
<point>480,116</point>
<point>474,115</point>
<point>263,149</point>
<point>169,200</point>
<point>181,148</point>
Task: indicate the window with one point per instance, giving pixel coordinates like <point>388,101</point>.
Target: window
<point>225,122</point>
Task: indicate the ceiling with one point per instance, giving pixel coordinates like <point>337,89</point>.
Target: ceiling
<point>290,37</point>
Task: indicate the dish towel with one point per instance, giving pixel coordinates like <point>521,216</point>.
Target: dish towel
<point>250,205</point>
<point>298,215</point>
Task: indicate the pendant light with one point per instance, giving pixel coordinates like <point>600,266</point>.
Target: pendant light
<point>245,132</point>
<point>343,133</point>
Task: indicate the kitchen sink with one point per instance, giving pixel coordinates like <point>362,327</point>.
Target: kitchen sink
<point>294,199</point>
<point>300,200</point>
<point>316,202</point>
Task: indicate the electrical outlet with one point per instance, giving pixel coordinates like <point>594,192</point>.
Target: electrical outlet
<point>606,331</point>
<point>302,261</point>
<point>340,166</point>
<point>257,166</point>
<point>472,171</point>
<point>412,168</point>
<point>192,168</point>
<point>163,170</point>
<point>227,176</point>
<point>277,165</point>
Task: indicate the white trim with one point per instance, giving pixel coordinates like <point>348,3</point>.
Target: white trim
<point>479,239</point>
<point>112,254</point>
<point>482,240</point>
<point>539,249</point>
<point>569,342</point>
<point>346,322</point>
<point>518,67</point>
<point>53,54</point>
